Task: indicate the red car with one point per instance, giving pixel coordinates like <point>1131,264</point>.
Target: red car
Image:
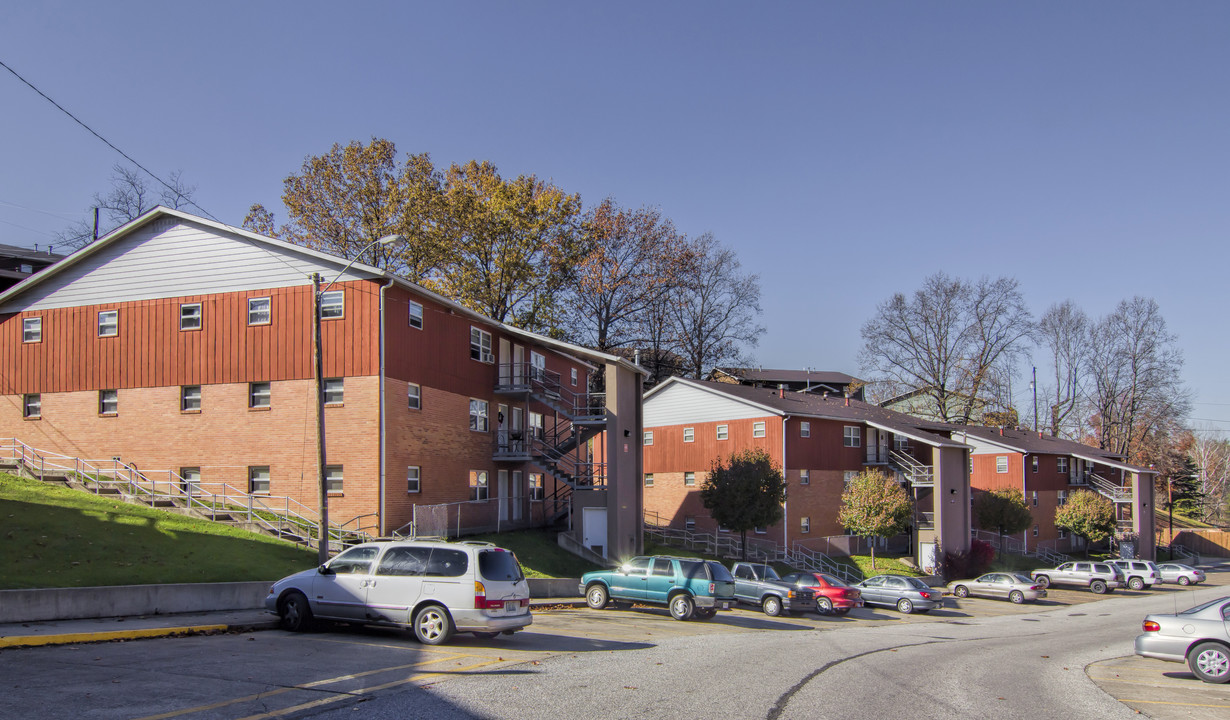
<point>832,594</point>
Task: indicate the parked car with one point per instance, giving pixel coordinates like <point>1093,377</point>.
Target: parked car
<point>1140,574</point>
<point>1000,586</point>
<point>759,584</point>
<point>1099,577</point>
<point>1199,636</point>
<point>1180,573</point>
<point>833,595</point>
<point>903,592</point>
<point>435,587</point>
<point>688,587</point>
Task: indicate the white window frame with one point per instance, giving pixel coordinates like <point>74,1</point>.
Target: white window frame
<point>760,530</point>
<point>32,406</point>
<point>805,477</point>
<point>32,329</point>
<point>108,323</point>
<point>480,345</point>
<point>257,394</point>
<point>262,474</point>
<point>689,479</point>
<point>758,429</point>
<point>805,524</point>
<point>414,396</point>
<point>723,432</point>
<point>901,443</point>
<point>333,305</point>
<point>190,398</point>
<point>333,480</point>
<point>689,522</point>
<point>480,415</point>
<point>648,480</point>
<point>804,429</point>
<point>852,436</point>
<point>480,486</point>
<point>1035,533</point>
<point>109,398</point>
<point>1001,464</point>
<point>1034,463</point>
<point>1061,498</point>
<point>260,310</point>
<point>848,476</point>
<point>414,479</point>
<point>689,435</point>
<point>190,319</point>
<point>333,391</point>
<point>574,377</point>
<point>415,316</point>
<point>647,438</point>
<point>1033,498</point>
<point>1061,465</point>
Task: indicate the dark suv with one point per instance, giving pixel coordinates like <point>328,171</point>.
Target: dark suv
<point>688,587</point>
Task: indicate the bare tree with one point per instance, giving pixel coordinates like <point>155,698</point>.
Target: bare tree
<point>1064,332</point>
<point>714,312</point>
<point>1136,389</point>
<point>130,197</point>
<point>955,340</point>
<point>1211,455</point>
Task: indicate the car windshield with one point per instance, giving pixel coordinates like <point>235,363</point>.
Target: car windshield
<point>719,572</point>
<point>499,565</point>
<point>832,580</point>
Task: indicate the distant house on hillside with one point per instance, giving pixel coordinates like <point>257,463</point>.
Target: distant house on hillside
<point>18,263</point>
<point>816,382</point>
<point>920,403</point>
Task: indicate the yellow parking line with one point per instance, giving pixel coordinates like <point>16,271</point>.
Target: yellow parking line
<point>1176,704</point>
<point>75,638</point>
<point>305,686</point>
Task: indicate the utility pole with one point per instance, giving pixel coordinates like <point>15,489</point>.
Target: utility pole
<point>317,373</point>
<point>1034,386</point>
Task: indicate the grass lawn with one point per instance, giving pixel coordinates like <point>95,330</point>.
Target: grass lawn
<point>884,563</point>
<point>539,554</point>
<point>56,537</point>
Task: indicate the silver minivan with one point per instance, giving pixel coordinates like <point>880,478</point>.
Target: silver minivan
<point>434,587</point>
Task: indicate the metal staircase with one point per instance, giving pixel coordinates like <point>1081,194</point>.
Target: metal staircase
<point>914,472</point>
<point>279,517</point>
<point>1116,493</point>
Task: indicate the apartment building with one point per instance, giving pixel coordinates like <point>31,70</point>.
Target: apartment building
<point>184,347</point>
<point>819,441</point>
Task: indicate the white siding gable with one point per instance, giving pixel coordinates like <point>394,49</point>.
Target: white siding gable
<point>169,257</point>
<point>679,404</point>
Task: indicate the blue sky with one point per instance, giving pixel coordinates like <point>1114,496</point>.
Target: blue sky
<point>846,150</point>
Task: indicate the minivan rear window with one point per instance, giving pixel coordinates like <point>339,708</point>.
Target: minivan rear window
<point>499,566</point>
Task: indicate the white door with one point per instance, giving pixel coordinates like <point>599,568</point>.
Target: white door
<point>502,486</point>
<point>593,529</point>
<point>517,493</point>
<point>505,368</point>
<point>518,364</point>
<point>926,556</point>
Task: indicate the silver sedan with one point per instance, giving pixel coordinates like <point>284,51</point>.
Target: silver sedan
<point>1198,636</point>
<point>907,594</point>
<point>1180,573</point>
<point>1000,586</point>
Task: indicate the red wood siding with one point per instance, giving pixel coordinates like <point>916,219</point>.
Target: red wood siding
<point>984,476</point>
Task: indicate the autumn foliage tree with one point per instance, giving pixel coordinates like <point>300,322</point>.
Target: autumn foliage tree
<point>1002,511</point>
<point>1087,514</point>
<point>875,505</point>
<point>744,492</point>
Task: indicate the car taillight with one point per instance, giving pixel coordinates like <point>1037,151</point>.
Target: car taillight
<point>480,598</point>
<point>1150,626</point>
<point>712,588</point>
<point>1033,587</point>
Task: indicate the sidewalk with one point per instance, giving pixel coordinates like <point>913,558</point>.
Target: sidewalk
<point>70,632</point>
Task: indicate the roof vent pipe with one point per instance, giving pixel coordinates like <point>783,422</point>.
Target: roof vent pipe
<point>781,390</point>
<point>847,398</point>
<point>825,398</point>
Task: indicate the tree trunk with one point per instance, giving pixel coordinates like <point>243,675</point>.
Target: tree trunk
<point>872,546</point>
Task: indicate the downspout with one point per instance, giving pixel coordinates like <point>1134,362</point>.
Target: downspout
<point>1025,497</point>
<point>786,479</point>
<point>383,404</point>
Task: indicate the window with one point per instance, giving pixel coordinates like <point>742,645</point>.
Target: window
<point>190,480</point>
<point>900,443</point>
<point>1061,464</point>
<point>1062,497</point>
<point>190,398</point>
<point>412,479</point>
<point>805,477</point>
<point>689,479</point>
<point>415,395</point>
<point>848,476</point>
<point>1001,464</point>
<point>1062,533</point>
<point>648,438</point>
<point>535,486</point>
<point>1035,531</point>
<point>689,434</point>
<point>260,394</point>
<point>853,436</point>
<point>804,524</point>
<point>662,567</point>
<point>689,522</point>
<point>722,432</point>
<point>332,305</point>
<point>333,479</point>
<point>1033,498</point>
<point>335,391</point>
<point>190,316</point>
<point>108,323</point>
<point>258,479</point>
<point>1035,459</point>
<point>108,402</point>
<point>260,311</point>
<point>478,485</point>
<point>574,377</point>
<point>480,345</point>
<point>416,315</point>
<point>761,530</point>
<point>758,429</point>
<point>32,406</point>
<point>648,479</point>
<point>32,330</point>
<point>805,429</point>
<point>26,268</point>
<point>478,415</point>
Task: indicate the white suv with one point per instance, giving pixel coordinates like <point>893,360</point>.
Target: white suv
<point>435,587</point>
<point>1140,574</point>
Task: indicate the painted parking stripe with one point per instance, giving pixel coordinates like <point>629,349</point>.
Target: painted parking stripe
<point>1176,704</point>
<point>78,638</point>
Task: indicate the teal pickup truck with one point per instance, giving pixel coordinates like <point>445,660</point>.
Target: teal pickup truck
<point>688,587</point>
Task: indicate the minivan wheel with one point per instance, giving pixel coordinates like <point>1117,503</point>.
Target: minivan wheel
<point>1098,587</point>
<point>1210,662</point>
<point>296,615</point>
<point>772,606</point>
<point>681,607</point>
<point>596,597</point>
<point>432,625</point>
<point>904,606</point>
<point>1136,583</point>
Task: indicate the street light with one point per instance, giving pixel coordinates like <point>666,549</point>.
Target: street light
<point>322,553</point>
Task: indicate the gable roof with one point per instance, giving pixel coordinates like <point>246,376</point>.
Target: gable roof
<point>807,405</point>
<point>10,300</point>
<point>1034,443</point>
<point>785,376</point>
